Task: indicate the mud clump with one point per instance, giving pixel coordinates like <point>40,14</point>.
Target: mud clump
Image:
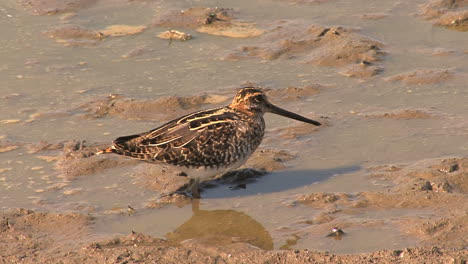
<point>7,145</point>
<point>73,35</point>
<point>374,16</point>
<point>361,70</point>
<point>44,146</point>
<point>50,7</point>
<point>121,30</point>
<point>322,46</point>
<point>450,14</point>
<point>157,178</point>
<point>294,93</point>
<point>323,200</point>
<point>192,18</point>
<point>405,114</point>
<point>269,160</point>
<point>214,21</point>
<point>423,76</point>
<point>77,159</point>
<point>174,34</point>
<point>162,108</point>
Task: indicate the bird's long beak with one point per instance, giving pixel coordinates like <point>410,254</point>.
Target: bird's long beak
<point>279,111</point>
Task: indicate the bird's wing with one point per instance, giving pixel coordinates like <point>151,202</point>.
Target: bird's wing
<point>167,142</point>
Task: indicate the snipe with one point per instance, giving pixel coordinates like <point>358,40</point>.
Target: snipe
<point>206,143</point>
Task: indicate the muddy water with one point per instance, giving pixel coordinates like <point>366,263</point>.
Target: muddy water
<point>41,76</point>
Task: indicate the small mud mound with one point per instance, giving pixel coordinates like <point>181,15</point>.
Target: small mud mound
<point>157,178</point>
<point>77,159</point>
<point>162,108</point>
<point>74,35</point>
<point>269,160</point>
<point>423,76</point>
<point>213,21</point>
<point>405,114</point>
<point>331,47</point>
<point>452,14</point>
<point>294,93</point>
<point>324,200</point>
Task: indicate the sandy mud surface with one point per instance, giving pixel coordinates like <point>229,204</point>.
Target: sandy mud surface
<point>411,211</point>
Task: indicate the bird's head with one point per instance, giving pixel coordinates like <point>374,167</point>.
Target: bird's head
<point>253,101</point>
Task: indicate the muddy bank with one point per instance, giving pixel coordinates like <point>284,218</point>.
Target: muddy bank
<point>437,188</point>
<point>32,237</point>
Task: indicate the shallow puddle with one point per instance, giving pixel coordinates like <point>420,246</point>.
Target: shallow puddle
<point>41,76</point>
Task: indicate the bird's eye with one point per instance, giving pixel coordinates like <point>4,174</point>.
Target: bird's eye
<point>258,98</point>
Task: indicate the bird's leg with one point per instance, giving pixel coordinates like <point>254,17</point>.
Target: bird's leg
<point>194,188</point>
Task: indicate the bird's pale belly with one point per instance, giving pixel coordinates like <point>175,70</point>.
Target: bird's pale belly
<point>206,173</point>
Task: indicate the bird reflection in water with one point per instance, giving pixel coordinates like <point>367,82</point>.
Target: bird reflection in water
<point>221,228</point>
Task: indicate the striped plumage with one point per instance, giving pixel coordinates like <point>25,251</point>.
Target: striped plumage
<point>206,143</point>
<point>210,138</point>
